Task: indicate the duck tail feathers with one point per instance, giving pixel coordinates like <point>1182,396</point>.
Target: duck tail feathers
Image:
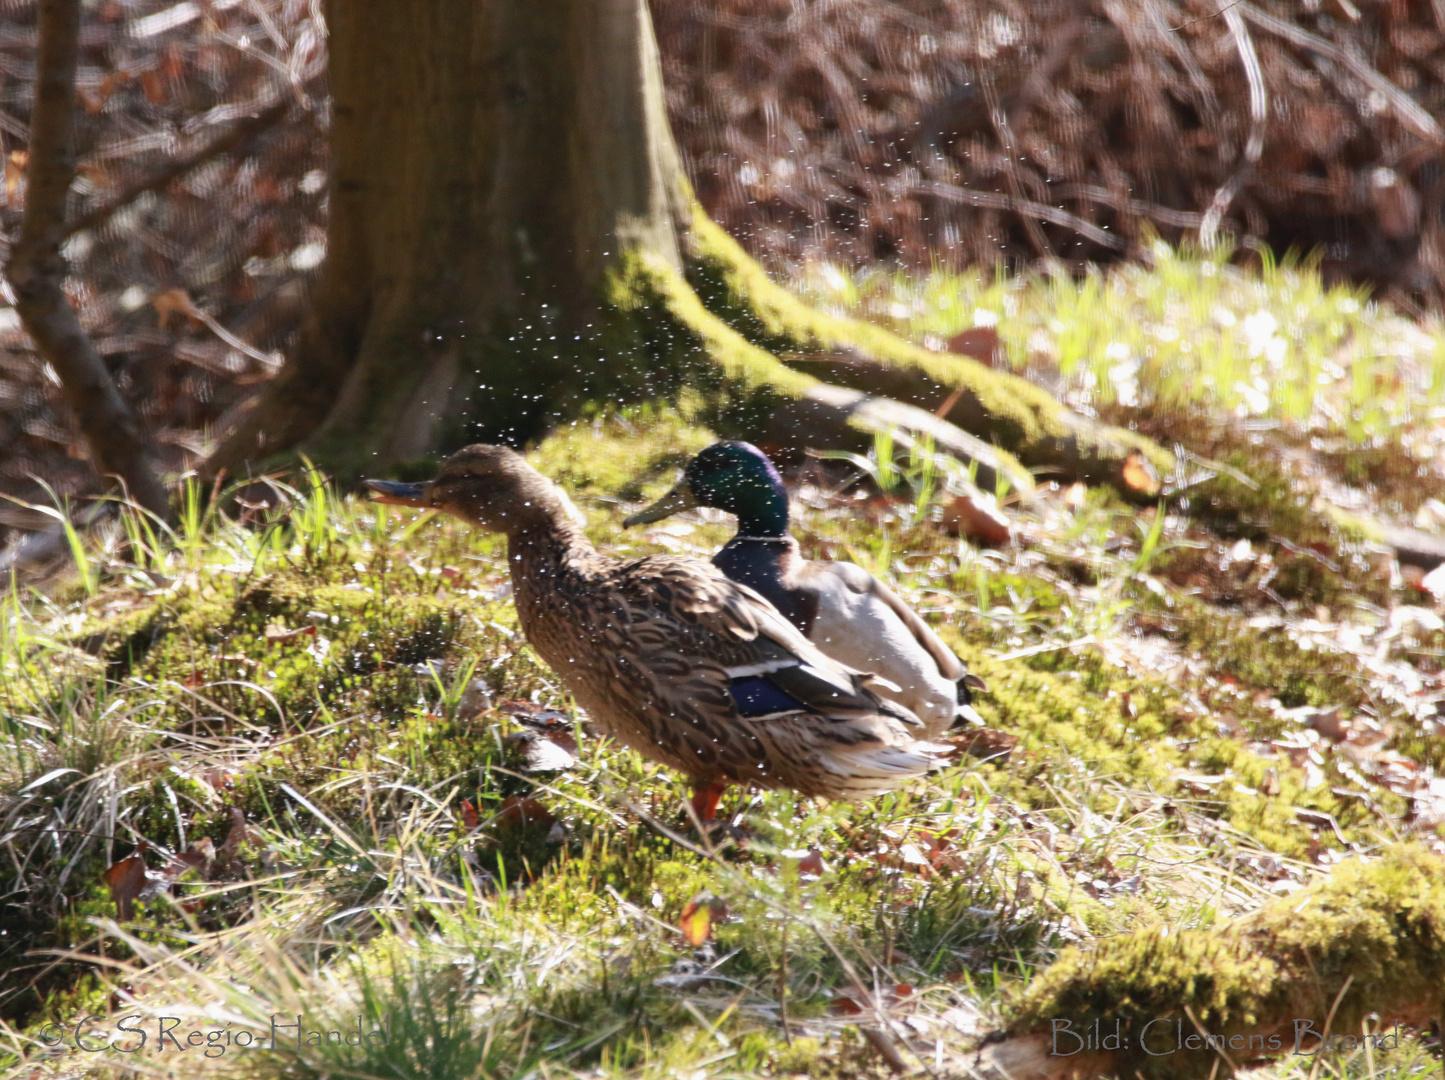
<point>967,715</point>
<point>869,769</point>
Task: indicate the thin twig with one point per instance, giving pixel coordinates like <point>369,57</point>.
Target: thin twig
<point>221,144</point>
<point>884,1045</point>
<point>994,200</point>
<point>1183,219</point>
<point>1405,106</point>
<point>783,989</point>
<point>1329,1020</point>
<point>1258,119</point>
<point>1006,140</point>
<point>1204,18</point>
<point>1216,1045</point>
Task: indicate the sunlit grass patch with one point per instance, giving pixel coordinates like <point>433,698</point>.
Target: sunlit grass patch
<point>1270,341</point>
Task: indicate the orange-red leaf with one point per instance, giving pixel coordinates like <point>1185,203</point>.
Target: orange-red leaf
<point>126,879</point>
<point>1139,475</point>
<point>469,814</point>
<point>700,916</point>
<point>696,923</point>
<point>523,810</point>
<point>975,516</point>
<point>812,864</point>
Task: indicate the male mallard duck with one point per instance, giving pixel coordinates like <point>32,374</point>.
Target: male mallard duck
<point>843,609</point>
<point>672,658</point>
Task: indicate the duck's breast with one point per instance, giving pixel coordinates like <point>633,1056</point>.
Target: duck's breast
<point>760,565</point>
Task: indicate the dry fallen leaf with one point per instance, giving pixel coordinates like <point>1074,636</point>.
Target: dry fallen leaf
<point>981,343</point>
<point>812,865</point>
<point>94,100</point>
<point>987,744</point>
<point>854,1000</point>
<point>1328,722</point>
<point>521,811</point>
<point>1433,582</point>
<point>198,858</point>
<point>1139,475</point>
<point>14,172</point>
<point>551,724</point>
<point>540,753</point>
<point>170,302</point>
<point>154,85</point>
<point>280,633</point>
<point>470,819</point>
<point>126,879</point>
<point>699,916</point>
<point>239,834</point>
<point>975,516</point>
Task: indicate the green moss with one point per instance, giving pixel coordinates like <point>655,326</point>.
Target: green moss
<point>1370,939</point>
<point>615,453</point>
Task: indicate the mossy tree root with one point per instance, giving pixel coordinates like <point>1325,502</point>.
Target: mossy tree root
<point>749,389</point>
<point>1370,939</point>
<point>995,406</point>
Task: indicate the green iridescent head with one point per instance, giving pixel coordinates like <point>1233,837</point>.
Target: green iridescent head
<point>735,477</point>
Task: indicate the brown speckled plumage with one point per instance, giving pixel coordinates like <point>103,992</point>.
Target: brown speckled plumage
<point>648,647</point>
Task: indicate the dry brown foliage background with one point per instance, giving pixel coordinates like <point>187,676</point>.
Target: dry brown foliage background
<point>1013,130</point>
<point>973,132</point>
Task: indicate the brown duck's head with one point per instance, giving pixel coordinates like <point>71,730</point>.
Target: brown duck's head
<point>491,486</point>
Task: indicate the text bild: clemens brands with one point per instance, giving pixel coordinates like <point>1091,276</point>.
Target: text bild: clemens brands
<point>1165,1035</point>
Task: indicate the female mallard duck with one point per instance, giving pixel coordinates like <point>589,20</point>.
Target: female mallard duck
<point>843,609</point>
<point>672,658</point>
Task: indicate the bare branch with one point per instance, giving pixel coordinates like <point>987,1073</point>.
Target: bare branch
<point>37,270</point>
<point>1258,119</point>
<point>173,170</point>
<point>996,201</point>
<point>1406,108</point>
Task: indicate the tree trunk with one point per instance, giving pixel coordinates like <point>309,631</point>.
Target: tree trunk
<point>512,235</point>
<point>492,162</point>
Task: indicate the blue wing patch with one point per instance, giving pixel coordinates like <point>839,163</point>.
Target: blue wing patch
<point>756,696</point>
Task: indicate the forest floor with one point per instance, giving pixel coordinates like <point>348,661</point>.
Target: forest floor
<point>303,763</point>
